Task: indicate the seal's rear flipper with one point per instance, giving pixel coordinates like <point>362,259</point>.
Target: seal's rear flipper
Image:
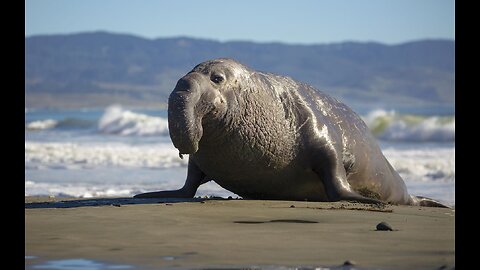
<point>424,201</point>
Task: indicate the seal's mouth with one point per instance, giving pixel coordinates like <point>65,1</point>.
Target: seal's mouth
<point>189,149</point>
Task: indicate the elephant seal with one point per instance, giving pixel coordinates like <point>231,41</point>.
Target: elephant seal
<point>265,136</point>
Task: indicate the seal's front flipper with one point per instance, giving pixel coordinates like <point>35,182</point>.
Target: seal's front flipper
<point>424,201</point>
<point>179,193</point>
<point>195,177</point>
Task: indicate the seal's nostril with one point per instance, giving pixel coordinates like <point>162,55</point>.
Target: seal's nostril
<point>183,85</point>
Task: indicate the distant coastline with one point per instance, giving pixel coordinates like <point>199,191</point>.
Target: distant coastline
<point>99,68</point>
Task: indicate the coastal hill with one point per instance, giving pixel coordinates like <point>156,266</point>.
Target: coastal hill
<point>99,68</point>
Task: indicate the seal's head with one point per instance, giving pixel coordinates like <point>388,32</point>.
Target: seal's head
<point>202,95</point>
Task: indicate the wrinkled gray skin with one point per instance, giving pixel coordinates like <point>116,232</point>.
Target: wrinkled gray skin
<point>264,136</point>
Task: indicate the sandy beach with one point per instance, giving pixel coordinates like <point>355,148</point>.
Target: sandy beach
<point>208,233</point>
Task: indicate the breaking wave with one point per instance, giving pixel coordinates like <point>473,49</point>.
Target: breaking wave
<point>385,125</point>
<point>41,124</point>
<point>391,126</point>
<point>68,123</point>
<point>117,120</point>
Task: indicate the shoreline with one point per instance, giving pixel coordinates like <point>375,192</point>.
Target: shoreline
<point>212,233</point>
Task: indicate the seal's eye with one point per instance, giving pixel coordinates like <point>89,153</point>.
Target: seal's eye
<point>217,78</point>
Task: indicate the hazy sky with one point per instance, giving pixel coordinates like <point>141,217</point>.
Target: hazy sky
<point>294,21</point>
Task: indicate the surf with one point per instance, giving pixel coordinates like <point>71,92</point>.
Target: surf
<point>392,126</point>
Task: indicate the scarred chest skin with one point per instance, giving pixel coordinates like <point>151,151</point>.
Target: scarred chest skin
<point>260,142</point>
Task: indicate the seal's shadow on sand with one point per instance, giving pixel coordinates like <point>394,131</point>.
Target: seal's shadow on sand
<point>277,221</point>
<point>118,202</point>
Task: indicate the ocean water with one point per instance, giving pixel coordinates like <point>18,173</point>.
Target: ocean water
<point>119,152</point>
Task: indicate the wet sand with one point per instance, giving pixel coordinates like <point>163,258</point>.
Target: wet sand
<point>199,234</point>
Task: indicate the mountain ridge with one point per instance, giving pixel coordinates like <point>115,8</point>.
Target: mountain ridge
<point>106,68</point>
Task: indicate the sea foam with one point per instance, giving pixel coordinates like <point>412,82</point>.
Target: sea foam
<point>427,171</point>
<point>423,164</point>
<point>46,155</point>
